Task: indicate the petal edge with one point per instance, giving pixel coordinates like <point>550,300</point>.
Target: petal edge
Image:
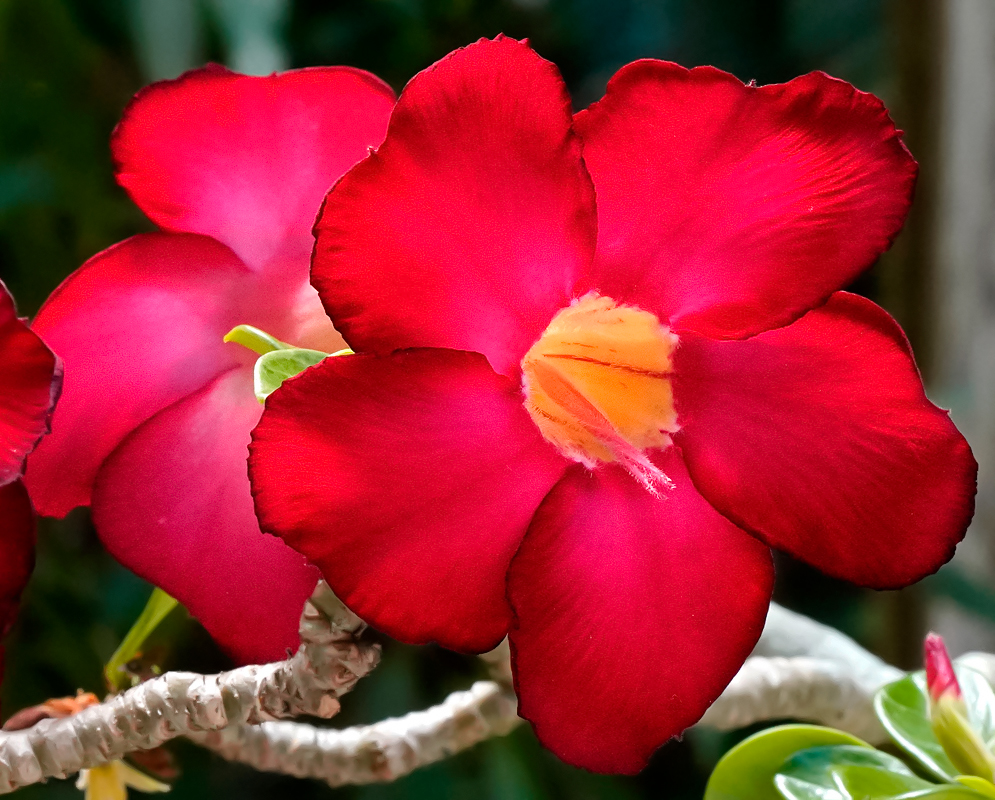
<point>409,480</point>
<point>711,192</point>
<point>632,614</point>
<point>820,440</point>
<point>468,227</point>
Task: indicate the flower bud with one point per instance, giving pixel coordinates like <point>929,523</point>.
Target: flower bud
<point>948,715</point>
<point>940,676</point>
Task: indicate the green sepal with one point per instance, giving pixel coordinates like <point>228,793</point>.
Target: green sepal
<point>156,610</point>
<point>255,340</point>
<point>959,737</point>
<point>980,785</point>
<point>273,368</point>
<point>903,708</point>
<point>844,772</point>
<point>747,771</point>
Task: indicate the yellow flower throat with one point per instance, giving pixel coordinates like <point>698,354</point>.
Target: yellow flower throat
<point>597,384</point>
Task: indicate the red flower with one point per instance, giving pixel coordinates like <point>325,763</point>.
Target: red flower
<point>30,377</point>
<point>154,423</point>
<point>603,368</point>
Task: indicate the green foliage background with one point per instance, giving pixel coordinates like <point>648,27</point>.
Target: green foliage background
<point>67,67</point>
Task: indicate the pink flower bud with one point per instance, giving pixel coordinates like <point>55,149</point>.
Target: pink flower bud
<point>949,718</point>
<point>940,677</point>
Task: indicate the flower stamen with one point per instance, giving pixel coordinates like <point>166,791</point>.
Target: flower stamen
<point>597,385</point>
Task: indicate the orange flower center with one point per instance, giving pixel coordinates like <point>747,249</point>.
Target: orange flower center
<point>597,384</point>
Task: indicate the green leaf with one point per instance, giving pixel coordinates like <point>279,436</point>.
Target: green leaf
<point>844,772</point>
<point>155,611</point>
<point>273,368</point>
<point>903,708</point>
<point>747,771</point>
<point>255,340</point>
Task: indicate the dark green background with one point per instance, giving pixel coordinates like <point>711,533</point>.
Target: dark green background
<point>67,67</point>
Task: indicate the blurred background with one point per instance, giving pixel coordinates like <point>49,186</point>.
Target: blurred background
<point>67,68</point>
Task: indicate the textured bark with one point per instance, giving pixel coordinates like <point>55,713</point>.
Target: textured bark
<point>797,688</point>
<point>799,669</point>
<point>384,751</point>
<point>328,664</point>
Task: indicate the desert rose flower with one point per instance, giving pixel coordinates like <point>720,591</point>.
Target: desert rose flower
<point>155,418</point>
<point>30,377</point>
<point>603,366</point>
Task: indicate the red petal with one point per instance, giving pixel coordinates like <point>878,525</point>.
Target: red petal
<point>139,326</point>
<point>469,226</point>
<point>247,159</point>
<point>30,379</point>
<point>632,614</point>
<point>409,480</point>
<point>173,504</point>
<point>17,549</point>
<point>818,437</point>
<point>730,209</point>
<point>17,552</point>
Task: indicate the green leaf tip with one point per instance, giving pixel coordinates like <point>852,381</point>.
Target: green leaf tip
<point>980,785</point>
<point>255,340</point>
<point>156,610</point>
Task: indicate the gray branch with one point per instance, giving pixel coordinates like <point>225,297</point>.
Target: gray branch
<point>381,752</point>
<point>329,662</point>
<point>800,669</point>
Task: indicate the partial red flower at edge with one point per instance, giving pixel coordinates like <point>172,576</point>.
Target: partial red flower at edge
<point>693,387</point>
<point>154,422</point>
<point>30,378</point>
